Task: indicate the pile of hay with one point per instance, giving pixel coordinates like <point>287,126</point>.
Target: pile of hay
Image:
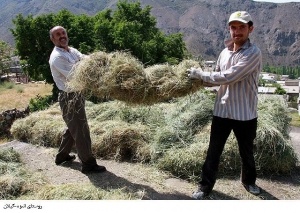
<point>121,141</point>
<point>43,128</point>
<point>121,76</point>
<point>12,174</point>
<point>173,136</point>
<point>274,152</point>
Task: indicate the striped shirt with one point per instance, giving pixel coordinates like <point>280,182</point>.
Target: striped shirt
<point>237,73</point>
<point>61,63</point>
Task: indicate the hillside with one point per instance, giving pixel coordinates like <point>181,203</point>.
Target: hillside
<point>202,22</point>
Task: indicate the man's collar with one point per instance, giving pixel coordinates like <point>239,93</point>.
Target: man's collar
<point>61,49</point>
<point>229,44</point>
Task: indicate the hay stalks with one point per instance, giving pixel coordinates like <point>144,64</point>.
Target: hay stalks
<point>121,76</point>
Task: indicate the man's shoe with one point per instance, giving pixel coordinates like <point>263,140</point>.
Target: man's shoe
<point>69,158</point>
<point>253,189</point>
<point>199,194</point>
<point>93,169</point>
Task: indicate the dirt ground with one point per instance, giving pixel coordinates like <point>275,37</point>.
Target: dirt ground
<point>150,183</point>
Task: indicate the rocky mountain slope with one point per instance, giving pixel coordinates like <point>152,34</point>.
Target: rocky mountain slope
<point>202,22</point>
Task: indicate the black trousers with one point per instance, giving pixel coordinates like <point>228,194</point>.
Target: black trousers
<point>245,133</point>
<point>77,132</point>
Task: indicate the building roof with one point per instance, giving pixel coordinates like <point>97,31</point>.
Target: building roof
<point>271,90</point>
<point>266,90</point>
<point>291,89</point>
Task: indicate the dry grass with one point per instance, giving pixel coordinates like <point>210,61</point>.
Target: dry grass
<point>121,76</point>
<point>14,178</point>
<point>18,183</point>
<point>126,181</point>
<point>181,113</point>
<point>174,136</point>
<point>78,192</point>
<point>18,96</point>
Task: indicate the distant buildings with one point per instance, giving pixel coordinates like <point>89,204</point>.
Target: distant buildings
<point>267,77</point>
<point>14,71</point>
<point>290,86</point>
<point>15,66</point>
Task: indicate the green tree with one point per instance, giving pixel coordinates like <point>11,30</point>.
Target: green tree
<point>81,33</point>
<point>33,47</point>
<point>174,48</point>
<point>135,29</point>
<point>103,31</point>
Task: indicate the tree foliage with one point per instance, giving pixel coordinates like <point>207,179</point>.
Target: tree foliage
<point>291,72</point>
<point>129,28</point>
<point>279,90</point>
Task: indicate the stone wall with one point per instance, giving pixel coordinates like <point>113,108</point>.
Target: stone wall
<point>8,117</point>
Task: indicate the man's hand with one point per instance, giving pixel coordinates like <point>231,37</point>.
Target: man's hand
<point>194,73</point>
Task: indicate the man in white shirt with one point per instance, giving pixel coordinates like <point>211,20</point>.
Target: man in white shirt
<point>235,109</point>
<point>72,104</point>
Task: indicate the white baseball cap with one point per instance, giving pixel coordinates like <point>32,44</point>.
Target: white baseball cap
<point>241,16</point>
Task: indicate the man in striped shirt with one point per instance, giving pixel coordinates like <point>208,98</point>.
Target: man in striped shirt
<point>62,61</point>
<point>237,72</point>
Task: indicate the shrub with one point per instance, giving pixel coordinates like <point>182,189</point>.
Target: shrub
<point>40,103</point>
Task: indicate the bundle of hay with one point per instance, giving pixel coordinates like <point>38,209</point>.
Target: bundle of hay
<point>113,75</point>
<point>121,141</point>
<point>121,76</point>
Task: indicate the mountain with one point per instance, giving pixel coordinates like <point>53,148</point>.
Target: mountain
<point>202,22</point>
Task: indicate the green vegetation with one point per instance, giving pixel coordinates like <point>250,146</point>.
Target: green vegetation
<point>40,103</point>
<point>292,72</point>
<point>279,90</point>
<point>6,85</point>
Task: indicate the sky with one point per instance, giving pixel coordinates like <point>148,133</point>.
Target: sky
<point>278,1</point>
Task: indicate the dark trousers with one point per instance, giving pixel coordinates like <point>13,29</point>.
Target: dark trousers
<point>245,133</point>
<point>73,112</point>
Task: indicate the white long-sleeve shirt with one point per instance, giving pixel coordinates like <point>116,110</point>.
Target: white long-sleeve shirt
<point>61,64</point>
<point>237,73</point>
